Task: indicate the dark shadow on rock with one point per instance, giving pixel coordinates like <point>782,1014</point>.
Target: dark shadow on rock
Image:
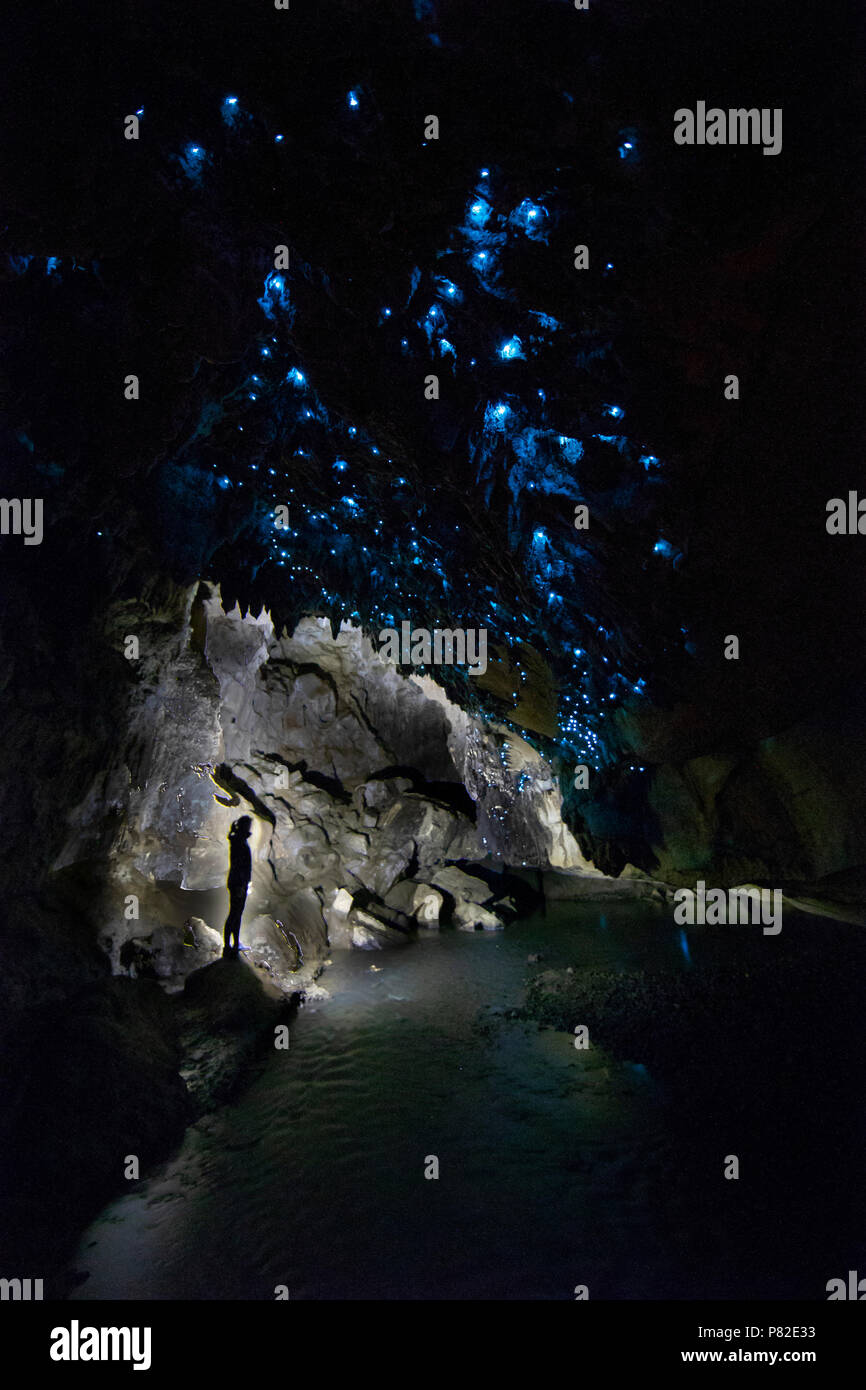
<point>84,1084</point>
<point>228,1013</point>
<point>506,883</point>
<point>452,795</point>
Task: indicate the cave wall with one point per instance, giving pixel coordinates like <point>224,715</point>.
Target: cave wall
<point>356,777</point>
<point>786,809</point>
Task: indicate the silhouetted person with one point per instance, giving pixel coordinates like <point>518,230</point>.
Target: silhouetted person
<point>240,871</point>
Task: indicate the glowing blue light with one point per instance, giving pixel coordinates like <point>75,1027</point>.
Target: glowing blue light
<point>340,466</point>
<point>484,262</point>
<point>445,347</point>
<point>373,449</point>
<point>224,482</point>
<point>139,112</point>
<point>253,396</point>
<point>296,377</point>
<point>386,313</point>
<point>349,502</point>
<point>191,162</point>
<point>616,412</point>
<point>663,548</point>
<point>546,320</point>
<point>530,217</point>
<point>447,287</point>
<point>278,139</point>
<point>231,101</point>
<point>539,536</point>
<point>495,416</point>
<point>353,99</point>
<point>650,461</point>
<point>511,350</point>
<point>275,293</point>
<point>684,945</point>
<point>571,448</point>
<point>266,352</point>
<point>479,213</point>
<point>485,173</point>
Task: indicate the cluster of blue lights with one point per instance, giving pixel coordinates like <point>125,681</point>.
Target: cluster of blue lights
<point>532,447</point>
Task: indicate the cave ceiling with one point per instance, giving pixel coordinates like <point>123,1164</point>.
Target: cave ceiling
<point>291,250</point>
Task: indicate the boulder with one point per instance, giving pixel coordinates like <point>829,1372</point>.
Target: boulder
<point>471,917</point>
<point>364,939</point>
<point>271,947</point>
<point>462,886</point>
<point>369,934</point>
<point>402,896</point>
<point>426,905</point>
<point>383,866</point>
<point>382,791</point>
<point>570,887</point>
<point>389,916</point>
<point>302,916</point>
<point>229,1012</point>
<point>338,905</point>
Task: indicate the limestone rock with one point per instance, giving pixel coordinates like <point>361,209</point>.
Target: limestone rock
<point>368,933</point>
<point>402,896</point>
<point>346,768</point>
<point>427,905</point>
<point>470,917</point>
<point>462,886</point>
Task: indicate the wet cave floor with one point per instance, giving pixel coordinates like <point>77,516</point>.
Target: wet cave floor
<point>557,1166</point>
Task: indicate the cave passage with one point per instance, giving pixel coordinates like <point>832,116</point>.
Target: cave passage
<point>556,1166</point>
<point>431,438</point>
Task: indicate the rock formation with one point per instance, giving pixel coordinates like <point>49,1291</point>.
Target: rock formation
<point>363,784</point>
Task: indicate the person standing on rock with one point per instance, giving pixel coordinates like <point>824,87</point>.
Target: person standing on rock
<point>240,872</point>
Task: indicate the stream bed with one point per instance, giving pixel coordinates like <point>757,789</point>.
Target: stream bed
<point>557,1167</point>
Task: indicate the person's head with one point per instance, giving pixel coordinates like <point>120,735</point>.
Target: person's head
<point>242,827</point>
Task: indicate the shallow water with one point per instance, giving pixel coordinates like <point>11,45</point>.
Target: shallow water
<point>557,1167</point>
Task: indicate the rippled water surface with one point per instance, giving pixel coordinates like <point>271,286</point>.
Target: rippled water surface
<point>557,1167</point>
